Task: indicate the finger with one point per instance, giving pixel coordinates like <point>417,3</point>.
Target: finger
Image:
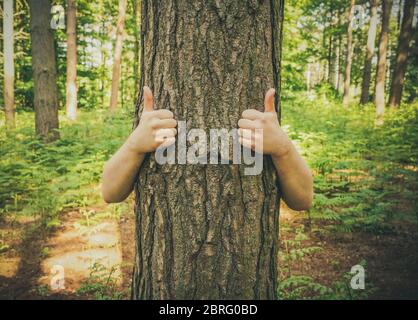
<point>163,134</point>
<point>246,143</point>
<point>248,124</point>
<point>269,101</point>
<point>163,114</point>
<point>167,142</point>
<point>148,99</point>
<point>246,133</point>
<point>252,114</point>
<point>166,123</point>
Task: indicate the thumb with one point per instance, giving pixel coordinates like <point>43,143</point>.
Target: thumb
<point>148,99</point>
<point>269,101</point>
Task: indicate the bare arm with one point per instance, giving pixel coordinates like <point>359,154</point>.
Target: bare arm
<point>294,175</point>
<point>295,179</point>
<point>154,129</point>
<point>119,174</point>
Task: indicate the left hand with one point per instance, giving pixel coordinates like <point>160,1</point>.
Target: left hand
<point>271,137</point>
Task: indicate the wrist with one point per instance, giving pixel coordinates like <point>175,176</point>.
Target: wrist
<point>282,151</point>
<point>132,147</point>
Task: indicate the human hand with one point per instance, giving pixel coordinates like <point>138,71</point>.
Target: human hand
<point>262,129</point>
<point>156,128</point>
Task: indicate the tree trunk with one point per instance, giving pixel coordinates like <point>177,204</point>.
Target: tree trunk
<point>379,94</point>
<point>44,70</point>
<point>118,55</point>
<point>103,50</point>
<point>331,47</point>
<point>405,37</point>
<point>9,70</point>
<point>371,40</point>
<point>136,14</point>
<point>208,231</point>
<point>399,17</point>
<point>340,63</point>
<point>349,56</point>
<point>71,60</point>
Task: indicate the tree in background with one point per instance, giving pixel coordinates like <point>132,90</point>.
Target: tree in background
<point>379,93</point>
<point>371,41</point>
<point>402,53</point>
<point>118,55</point>
<point>9,71</point>
<point>349,54</point>
<point>71,84</point>
<point>334,48</point>
<point>135,17</point>
<point>44,70</point>
<point>211,242</point>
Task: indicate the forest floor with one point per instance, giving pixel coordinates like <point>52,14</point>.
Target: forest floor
<point>53,220</point>
<point>98,256</point>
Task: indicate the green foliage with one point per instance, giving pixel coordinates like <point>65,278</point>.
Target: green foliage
<point>365,176</point>
<point>101,284</point>
<point>305,287</point>
<point>297,286</point>
<point>43,180</point>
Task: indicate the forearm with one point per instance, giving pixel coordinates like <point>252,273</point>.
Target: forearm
<point>295,179</point>
<point>119,174</point>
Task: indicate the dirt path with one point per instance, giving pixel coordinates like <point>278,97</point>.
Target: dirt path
<point>76,251</point>
<point>76,256</point>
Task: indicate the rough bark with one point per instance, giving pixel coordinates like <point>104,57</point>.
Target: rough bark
<point>9,71</point>
<point>349,55</point>
<point>44,70</point>
<point>118,55</point>
<point>379,94</point>
<point>405,37</point>
<point>208,231</point>
<point>371,40</point>
<point>71,85</point>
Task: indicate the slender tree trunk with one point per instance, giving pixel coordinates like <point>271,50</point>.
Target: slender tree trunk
<point>118,55</point>
<point>336,70</point>
<point>44,70</point>
<point>71,102</point>
<point>103,35</point>
<point>331,56</point>
<point>9,70</point>
<point>340,63</point>
<point>379,94</point>
<point>399,17</point>
<point>371,40</point>
<point>136,14</point>
<point>349,57</point>
<point>208,231</point>
<point>335,59</point>
<point>405,37</point>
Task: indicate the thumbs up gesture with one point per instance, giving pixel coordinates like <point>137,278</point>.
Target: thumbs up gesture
<point>155,128</point>
<point>261,129</point>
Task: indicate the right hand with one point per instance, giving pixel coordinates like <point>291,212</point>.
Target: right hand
<point>156,128</point>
